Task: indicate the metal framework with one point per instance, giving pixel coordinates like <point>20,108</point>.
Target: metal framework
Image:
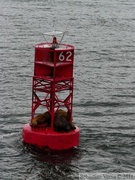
<point>53,78</point>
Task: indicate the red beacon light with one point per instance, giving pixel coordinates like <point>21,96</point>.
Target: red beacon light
<point>54,43</point>
<point>51,124</point>
<point>54,40</point>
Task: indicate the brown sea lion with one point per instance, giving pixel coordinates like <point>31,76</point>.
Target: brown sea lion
<point>44,118</point>
<point>62,123</point>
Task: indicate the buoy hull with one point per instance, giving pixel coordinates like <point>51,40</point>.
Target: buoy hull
<point>47,137</point>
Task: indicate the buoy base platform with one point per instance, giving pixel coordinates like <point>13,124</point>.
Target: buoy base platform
<point>47,137</point>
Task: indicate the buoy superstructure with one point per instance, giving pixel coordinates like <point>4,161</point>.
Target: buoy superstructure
<point>52,90</point>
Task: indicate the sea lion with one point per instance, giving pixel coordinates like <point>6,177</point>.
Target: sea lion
<point>44,118</point>
<point>62,123</point>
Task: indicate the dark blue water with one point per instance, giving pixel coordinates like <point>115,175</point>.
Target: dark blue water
<point>104,92</point>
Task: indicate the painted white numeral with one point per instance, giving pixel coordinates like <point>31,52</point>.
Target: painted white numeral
<point>62,57</point>
<point>69,53</point>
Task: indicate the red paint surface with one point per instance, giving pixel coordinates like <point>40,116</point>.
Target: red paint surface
<point>50,139</point>
<point>53,74</point>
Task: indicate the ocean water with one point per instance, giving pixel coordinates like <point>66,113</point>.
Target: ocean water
<point>102,33</point>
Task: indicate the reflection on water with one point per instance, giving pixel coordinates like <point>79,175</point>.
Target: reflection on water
<point>50,156</point>
<point>57,164</point>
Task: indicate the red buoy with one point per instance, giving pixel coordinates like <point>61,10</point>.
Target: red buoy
<point>51,123</point>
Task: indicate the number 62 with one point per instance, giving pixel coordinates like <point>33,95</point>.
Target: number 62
<point>68,55</point>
